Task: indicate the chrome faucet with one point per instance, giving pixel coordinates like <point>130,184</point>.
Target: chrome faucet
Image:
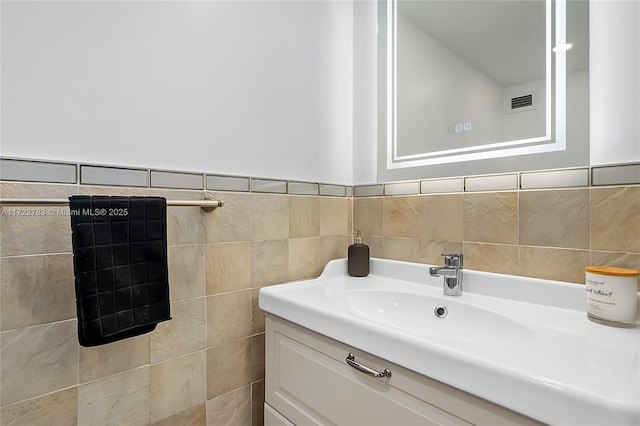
<point>452,272</point>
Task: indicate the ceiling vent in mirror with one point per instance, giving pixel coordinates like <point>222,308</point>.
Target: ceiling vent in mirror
<point>521,101</point>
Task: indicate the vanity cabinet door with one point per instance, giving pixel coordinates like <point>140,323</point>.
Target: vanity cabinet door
<point>308,382</point>
<point>273,418</point>
<point>309,387</point>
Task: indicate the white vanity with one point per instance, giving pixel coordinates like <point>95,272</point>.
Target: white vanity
<point>510,350</point>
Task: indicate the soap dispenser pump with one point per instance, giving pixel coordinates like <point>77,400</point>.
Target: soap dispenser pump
<point>358,257</point>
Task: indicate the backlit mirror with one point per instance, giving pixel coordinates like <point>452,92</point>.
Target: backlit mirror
<point>474,86</point>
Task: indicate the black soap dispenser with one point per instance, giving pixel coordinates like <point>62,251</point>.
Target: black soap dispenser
<point>358,257</point>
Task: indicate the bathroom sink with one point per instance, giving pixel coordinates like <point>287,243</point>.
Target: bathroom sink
<point>435,317</point>
<point>529,338</point>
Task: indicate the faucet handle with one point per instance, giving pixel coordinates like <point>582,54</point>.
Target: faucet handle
<point>454,260</point>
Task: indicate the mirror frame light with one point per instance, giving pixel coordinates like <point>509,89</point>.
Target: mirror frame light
<point>554,138</point>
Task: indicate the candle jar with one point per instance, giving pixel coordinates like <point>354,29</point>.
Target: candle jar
<point>612,295</point>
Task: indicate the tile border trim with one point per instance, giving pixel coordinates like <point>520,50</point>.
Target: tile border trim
<point>554,179</point>
<point>505,182</point>
<point>402,188</point>
<point>375,190</point>
<point>49,171</point>
<point>577,177</point>
<point>128,176</point>
<point>619,174</point>
<point>113,176</point>
<point>227,183</point>
<point>176,180</point>
<point>11,169</point>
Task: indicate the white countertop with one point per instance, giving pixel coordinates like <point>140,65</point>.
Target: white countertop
<point>528,345</point>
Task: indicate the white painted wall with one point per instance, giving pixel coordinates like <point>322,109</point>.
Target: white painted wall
<point>365,89</point>
<point>615,81</point>
<point>276,89</point>
<point>260,88</point>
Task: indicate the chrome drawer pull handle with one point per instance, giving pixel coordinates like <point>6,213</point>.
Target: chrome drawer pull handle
<point>351,360</point>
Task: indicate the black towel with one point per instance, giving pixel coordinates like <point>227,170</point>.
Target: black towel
<point>120,266</point>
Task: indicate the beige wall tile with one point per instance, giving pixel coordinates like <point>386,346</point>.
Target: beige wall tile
<point>257,315</point>
<point>400,216</point>
<point>269,216</point>
<point>183,334</point>
<point>491,217</point>
<point>333,247</point>
<point>376,246</point>
<point>620,260</point>
<point>196,416</point>
<point>232,408</point>
<point>304,258</point>
<point>114,190</point>
<point>186,271</point>
<point>25,235</point>
<point>232,222</point>
<point>550,218</point>
<point>120,400</point>
<point>97,362</point>
<point>37,360</point>
<point>228,317</point>
<point>49,233</point>
<point>36,190</point>
<point>186,225</point>
<point>615,219</point>
<point>257,357</point>
<point>269,262</point>
<point>334,216</point>
<point>58,408</point>
<point>431,251</point>
<point>227,267</point>
<point>440,217</point>
<point>554,264</point>
<point>34,234</point>
<point>555,218</point>
<point>44,358</point>
<point>177,194</point>
<point>228,367</point>
<point>257,403</point>
<point>36,290</point>
<point>304,216</point>
<point>177,385</point>
<point>405,249</point>
<point>35,229</point>
<point>498,258</point>
<point>367,216</point>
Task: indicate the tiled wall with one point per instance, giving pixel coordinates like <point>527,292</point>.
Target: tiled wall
<point>206,365</point>
<point>550,233</point>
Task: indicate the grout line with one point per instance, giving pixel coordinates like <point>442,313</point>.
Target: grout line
<point>4,407</point>
<point>41,325</point>
<point>590,224</point>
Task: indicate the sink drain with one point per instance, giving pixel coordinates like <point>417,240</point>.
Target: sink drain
<point>440,311</point>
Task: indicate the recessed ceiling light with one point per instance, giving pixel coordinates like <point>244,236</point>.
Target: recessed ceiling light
<point>562,47</point>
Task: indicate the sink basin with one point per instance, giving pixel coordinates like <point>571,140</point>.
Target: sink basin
<point>529,338</point>
<point>435,317</point>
